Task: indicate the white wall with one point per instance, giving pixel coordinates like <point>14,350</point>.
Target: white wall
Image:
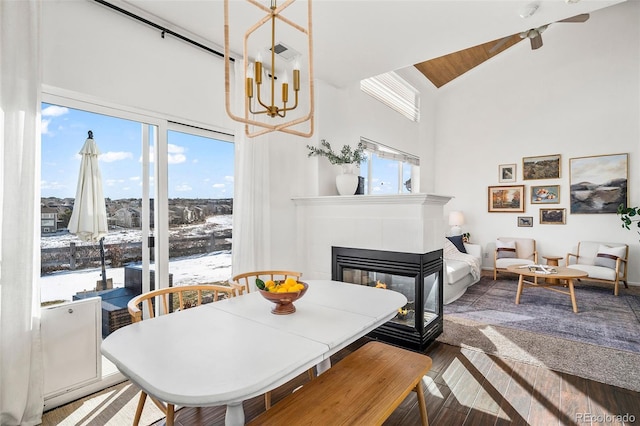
<point>576,96</point>
<point>92,50</point>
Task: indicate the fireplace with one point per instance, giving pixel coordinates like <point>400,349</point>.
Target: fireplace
<point>417,276</point>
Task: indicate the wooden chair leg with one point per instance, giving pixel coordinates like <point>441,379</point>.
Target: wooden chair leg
<point>267,400</point>
<point>141,401</point>
<point>170,414</point>
<point>310,373</point>
<point>419,390</point>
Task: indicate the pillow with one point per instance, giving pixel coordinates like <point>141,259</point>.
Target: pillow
<point>457,241</point>
<point>607,256</point>
<point>506,249</point>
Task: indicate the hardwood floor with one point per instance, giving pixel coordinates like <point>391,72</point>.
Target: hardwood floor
<point>466,387</point>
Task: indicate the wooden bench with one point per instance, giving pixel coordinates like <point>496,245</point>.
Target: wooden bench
<point>364,388</point>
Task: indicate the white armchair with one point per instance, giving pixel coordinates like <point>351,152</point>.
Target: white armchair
<point>604,262</point>
<point>513,251</point>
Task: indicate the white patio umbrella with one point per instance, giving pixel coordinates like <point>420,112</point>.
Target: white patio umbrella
<point>89,216</point>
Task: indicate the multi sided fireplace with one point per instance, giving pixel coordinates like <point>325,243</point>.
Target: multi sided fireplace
<point>417,276</point>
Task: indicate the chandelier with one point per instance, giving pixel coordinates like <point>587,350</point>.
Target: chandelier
<point>261,82</point>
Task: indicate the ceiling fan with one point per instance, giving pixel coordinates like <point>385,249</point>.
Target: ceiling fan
<point>535,34</point>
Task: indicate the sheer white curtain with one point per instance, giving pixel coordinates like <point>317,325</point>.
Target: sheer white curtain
<point>21,386</point>
<point>251,207</point>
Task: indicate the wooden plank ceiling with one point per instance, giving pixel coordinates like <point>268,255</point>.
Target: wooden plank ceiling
<point>442,70</point>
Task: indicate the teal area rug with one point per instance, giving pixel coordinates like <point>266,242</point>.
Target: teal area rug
<point>601,342</point>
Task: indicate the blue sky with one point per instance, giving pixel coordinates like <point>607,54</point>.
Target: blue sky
<point>198,167</point>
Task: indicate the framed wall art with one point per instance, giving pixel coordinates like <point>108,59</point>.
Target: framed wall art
<point>506,199</point>
<point>544,167</point>
<point>598,184</point>
<point>526,221</point>
<point>545,194</point>
<point>553,216</point>
<point>507,173</point>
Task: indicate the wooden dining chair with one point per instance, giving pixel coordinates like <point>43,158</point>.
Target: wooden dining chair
<point>188,296</point>
<point>244,282</point>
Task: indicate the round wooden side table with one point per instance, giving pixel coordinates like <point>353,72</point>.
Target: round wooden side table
<point>552,261</point>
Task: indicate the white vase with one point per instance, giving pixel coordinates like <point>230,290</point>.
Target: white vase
<point>347,182</point>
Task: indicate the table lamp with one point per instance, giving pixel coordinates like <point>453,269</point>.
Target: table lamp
<point>456,219</point>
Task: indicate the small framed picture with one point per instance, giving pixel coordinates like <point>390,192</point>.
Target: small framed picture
<point>526,221</point>
<point>553,216</point>
<point>546,194</point>
<point>507,173</point>
<point>545,167</point>
<point>506,199</point>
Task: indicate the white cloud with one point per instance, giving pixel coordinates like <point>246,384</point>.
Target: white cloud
<point>176,158</point>
<point>44,127</point>
<point>183,188</point>
<point>134,178</point>
<point>111,156</point>
<point>51,185</point>
<point>228,178</point>
<point>54,111</point>
<point>114,182</point>
<point>176,154</point>
<point>218,185</point>
<point>175,149</point>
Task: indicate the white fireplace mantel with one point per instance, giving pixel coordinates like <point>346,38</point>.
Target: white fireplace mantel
<point>412,223</point>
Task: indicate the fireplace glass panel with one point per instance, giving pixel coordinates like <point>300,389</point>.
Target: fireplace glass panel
<point>399,283</point>
<point>431,298</point>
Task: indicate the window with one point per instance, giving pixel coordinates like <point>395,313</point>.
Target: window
<point>149,166</point>
<point>395,92</point>
<point>200,187</point>
<point>388,170</point>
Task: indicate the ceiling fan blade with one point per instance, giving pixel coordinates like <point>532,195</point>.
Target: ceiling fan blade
<point>536,42</point>
<point>499,44</point>
<point>578,18</point>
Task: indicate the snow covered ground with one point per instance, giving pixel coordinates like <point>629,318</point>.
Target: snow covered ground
<point>191,270</point>
<point>188,270</point>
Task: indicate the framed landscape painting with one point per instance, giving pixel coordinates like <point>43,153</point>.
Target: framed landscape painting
<point>598,184</point>
<point>553,216</point>
<point>545,194</point>
<point>545,167</point>
<point>506,199</point>
<point>507,173</point>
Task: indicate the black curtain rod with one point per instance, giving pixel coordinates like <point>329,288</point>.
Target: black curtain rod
<point>160,27</point>
<point>200,128</point>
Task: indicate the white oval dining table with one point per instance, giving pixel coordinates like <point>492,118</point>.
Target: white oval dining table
<point>226,352</point>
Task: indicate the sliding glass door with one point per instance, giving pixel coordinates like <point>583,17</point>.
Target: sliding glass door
<point>72,269</point>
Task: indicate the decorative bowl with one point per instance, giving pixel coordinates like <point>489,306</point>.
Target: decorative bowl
<point>284,301</point>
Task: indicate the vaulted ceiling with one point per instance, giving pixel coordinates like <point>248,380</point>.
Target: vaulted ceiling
<point>356,39</point>
<point>444,69</point>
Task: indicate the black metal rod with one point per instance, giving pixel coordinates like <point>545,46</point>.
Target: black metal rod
<point>160,27</point>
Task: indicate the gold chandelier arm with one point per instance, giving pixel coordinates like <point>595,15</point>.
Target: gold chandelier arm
<point>291,108</point>
<point>259,101</point>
